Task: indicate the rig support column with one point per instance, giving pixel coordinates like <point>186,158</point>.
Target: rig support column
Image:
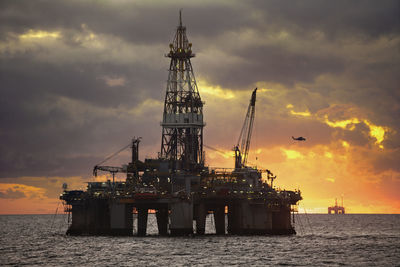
<point>78,225</point>
<point>162,221</point>
<point>142,221</point>
<point>201,214</point>
<point>281,223</point>
<point>233,219</point>
<point>181,218</point>
<point>121,221</point>
<point>219,218</point>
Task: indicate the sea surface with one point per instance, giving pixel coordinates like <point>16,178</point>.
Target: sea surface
<point>321,240</point>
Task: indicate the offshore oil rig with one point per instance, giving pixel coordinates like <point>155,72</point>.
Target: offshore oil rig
<point>336,209</point>
<point>177,185</point>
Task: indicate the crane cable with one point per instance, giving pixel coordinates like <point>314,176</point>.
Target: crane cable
<point>114,154</point>
<point>213,148</point>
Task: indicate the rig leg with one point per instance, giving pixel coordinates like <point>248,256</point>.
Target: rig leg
<point>121,222</point>
<point>142,221</point>
<point>201,214</point>
<point>78,225</point>
<point>281,222</point>
<point>162,221</point>
<point>219,217</point>
<point>181,218</point>
<point>233,221</point>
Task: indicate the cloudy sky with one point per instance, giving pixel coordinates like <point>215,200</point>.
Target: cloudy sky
<point>79,79</point>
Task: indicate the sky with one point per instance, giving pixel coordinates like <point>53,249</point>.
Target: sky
<point>79,79</point>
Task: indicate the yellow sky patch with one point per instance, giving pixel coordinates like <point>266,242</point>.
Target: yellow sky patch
<point>345,144</point>
<point>225,154</point>
<point>217,91</point>
<point>301,113</point>
<point>298,113</point>
<point>292,154</point>
<point>377,132</point>
<point>344,124</point>
<point>38,34</point>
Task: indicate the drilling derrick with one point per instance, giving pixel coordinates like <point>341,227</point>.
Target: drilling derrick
<point>182,124</point>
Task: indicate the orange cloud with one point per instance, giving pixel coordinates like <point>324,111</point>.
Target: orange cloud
<point>35,195</point>
<point>20,191</point>
<point>23,199</point>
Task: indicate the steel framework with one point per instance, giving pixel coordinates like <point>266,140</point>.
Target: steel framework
<point>182,133</point>
<point>242,153</point>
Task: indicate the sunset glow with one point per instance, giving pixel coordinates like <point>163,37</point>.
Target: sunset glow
<point>79,84</point>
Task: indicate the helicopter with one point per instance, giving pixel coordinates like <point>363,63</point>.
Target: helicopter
<point>299,138</point>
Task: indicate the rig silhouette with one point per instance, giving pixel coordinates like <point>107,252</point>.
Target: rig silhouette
<point>336,209</point>
<point>177,185</point>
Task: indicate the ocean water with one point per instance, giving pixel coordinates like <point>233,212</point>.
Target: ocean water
<point>321,240</point>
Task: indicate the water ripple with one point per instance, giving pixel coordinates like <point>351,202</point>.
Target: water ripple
<point>324,241</point>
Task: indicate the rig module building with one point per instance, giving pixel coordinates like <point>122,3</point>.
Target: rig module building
<point>177,185</point>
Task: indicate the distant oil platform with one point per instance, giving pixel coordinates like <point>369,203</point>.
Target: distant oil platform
<point>336,209</point>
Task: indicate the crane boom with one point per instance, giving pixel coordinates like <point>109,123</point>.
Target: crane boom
<point>242,153</point>
<point>110,169</point>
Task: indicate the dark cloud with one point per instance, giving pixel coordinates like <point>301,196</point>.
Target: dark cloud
<point>25,76</point>
<point>275,64</point>
<point>138,21</point>
<point>359,136</point>
<point>42,135</point>
<point>387,160</point>
<point>337,19</point>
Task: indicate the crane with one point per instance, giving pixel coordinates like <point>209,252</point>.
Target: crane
<point>124,169</point>
<point>111,169</point>
<point>241,153</point>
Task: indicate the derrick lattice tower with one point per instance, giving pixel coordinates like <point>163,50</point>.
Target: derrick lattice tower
<point>182,124</point>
